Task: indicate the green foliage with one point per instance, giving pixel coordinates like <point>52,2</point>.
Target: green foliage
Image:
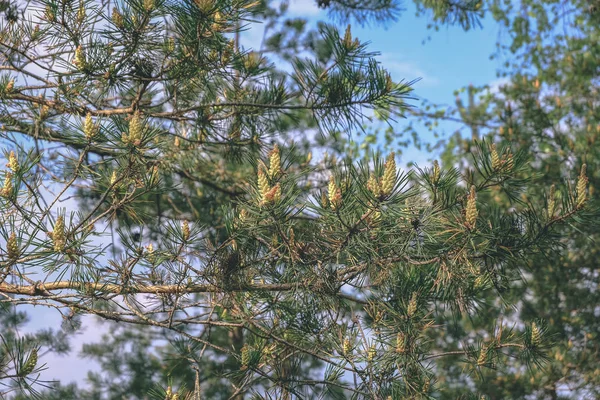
<point>546,104</point>
<point>238,263</point>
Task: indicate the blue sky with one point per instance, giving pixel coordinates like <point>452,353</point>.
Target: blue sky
<point>451,59</point>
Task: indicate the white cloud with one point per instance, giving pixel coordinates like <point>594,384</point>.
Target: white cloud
<point>406,70</point>
<point>497,84</point>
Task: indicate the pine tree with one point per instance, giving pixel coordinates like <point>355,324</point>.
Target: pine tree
<point>547,103</point>
<point>269,272</point>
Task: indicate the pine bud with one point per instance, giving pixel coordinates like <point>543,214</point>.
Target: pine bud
<point>508,161</point>
<point>252,61</point>
<point>551,202</point>
<point>536,335</point>
<point>479,282</point>
<point>274,162</point>
<point>113,178</point>
<point>376,217</point>
<point>371,353</point>
<point>309,157</point>
<point>412,305</point>
<point>117,18</point>
<point>400,343</point>
<point>205,6</point>
<point>177,142</point>
<point>245,356</point>
<point>8,185</point>
<point>435,175</point>
<point>582,183</point>
<point>10,86</point>
<point>324,200</point>
<point>13,163</point>
<point>79,58</point>
<point>373,185</point>
<point>12,247</point>
<point>482,359</point>
<point>471,209</point>
<point>347,347</point>
<point>58,236</point>
<point>80,12</point>
<point>44,111</point>
<point>263,185</point>
<point>149,5</point>
<point>273,195</point>
<point>347,38</point>
<point>243,215</point>
<point>170,44</point>
<point>185,230</point>
<point>427,382</point>
<point>30,364</point>
<point>136,128</point>
<point>389,175</point>
<point>49,13</point>
<point>389,83</point>
<point>89,128</point>
<point>334,194</point>
<point>496,163</point>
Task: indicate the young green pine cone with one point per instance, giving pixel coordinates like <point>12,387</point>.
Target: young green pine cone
<point>245,356</point>
<point>335,194</point>
<point>205,6</point>
<point>508,161</point>
<point>13,163</point>
<point>113,178</point>
<point>536,336</point>
<point>347,41</point>
<point>79,58</point>
<point>8,186</point>
<point>582,183</point>
<point>435,175</point>
<point>263,185</point>
<point>496,163</point>
<point>389,175</point>
<point>58,236</point>
<point>274,162</point>
<point>273,195</point>
<point>149,5</point>
<point>426,385</point>
<point>185,230</point>
<point>471,212</point>
<point>482,359</point>
<point>10,86</point>
<point>30,364</point>
<point>400,343</point>
<point>374,186</point>
<point>117,18</point>
<point>412,305</point>
<point>81,13</point>
<point>136,129</point>
<point>89,128</point>
<point>371,353</point>
<point>347,347</point>
<point>551,202</point>
<point>12,247</point>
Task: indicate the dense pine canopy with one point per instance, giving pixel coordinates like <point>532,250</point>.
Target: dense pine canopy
<point>212,200</point>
